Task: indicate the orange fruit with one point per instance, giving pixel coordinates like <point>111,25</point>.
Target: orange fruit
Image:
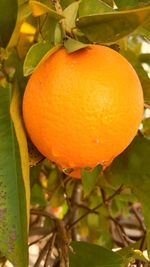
<point>84,108</point>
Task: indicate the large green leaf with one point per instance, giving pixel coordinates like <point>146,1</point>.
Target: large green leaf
<point>88,7</point>
<point>16,115</point>
<point>73,45</point>
<point>112,26</point>
<point>86,254</point>
<point>126,3</point>
<point>65,3</point>
<point>8,16</point>
<point>109,2</point>
<point>132,168</point>
<point>43,7</point>
<point>37,54</point>
<point>13,217</point>
<point>23,13</point>
<point>70,13</point>
<point>130,3</point>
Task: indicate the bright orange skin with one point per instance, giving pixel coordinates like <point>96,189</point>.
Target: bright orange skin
<point>83,108</point>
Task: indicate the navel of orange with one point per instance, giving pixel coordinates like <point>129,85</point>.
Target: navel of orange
<point>83,108</point>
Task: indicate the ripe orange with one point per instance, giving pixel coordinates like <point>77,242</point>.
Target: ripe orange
<point>83,108</point>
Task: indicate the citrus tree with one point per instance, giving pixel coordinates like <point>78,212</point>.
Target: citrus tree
<point>75,132</point>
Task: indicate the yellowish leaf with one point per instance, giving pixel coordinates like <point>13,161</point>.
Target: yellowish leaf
<point>22,142</point>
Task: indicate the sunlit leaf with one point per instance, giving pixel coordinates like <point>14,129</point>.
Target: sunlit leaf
<point>58,34</point>
<point>65,3</point>
<point>109,2</point>
<point>23,13</point>
<point>70,13</point>
<point>88,7</point>
<point>48,29</point>
<point>13,222</point>
<point>36,55</point>
<point>39,8</point>
<point>73,45</point>
<point>8,16</point>
<point>112,26</point>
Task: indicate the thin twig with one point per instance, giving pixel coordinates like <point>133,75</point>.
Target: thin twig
<point>50,249</point>
<point>86,208</point>
<point>146,105</point>
<point>37,240</point>
<point>43,213</point>
<point>42,254</point>
<point>35,221</point>
<point>118,191</point>
<point>63,243</point>
<point>139,218</point>
<point>123,233</point>
<point>64,183</point>
<point>142,245</point>
<point>3,263</point>
<point>41,231</point>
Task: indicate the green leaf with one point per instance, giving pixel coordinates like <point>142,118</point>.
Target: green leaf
<point>16,115</point>
<point>65,3</point>
<point>55,189</point>
<point>88,7</point>
<point>130,3</point>
<point>126,3</point>
<point>8,16</point>
<point>109,2</point>
<point>37,54</point>
<point>132,168</point>
<point>70,14</point>
<point>39,8</point>
<point>13,217</point>
<point>23,13</point>
<point>73,45</point>
<point>143,76</point>
<point>58,34</point>
<point>89,178</point>
<point>37,196</point>
<point>86,254</point>
<point>112,26</point>
<point>48,29</point>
